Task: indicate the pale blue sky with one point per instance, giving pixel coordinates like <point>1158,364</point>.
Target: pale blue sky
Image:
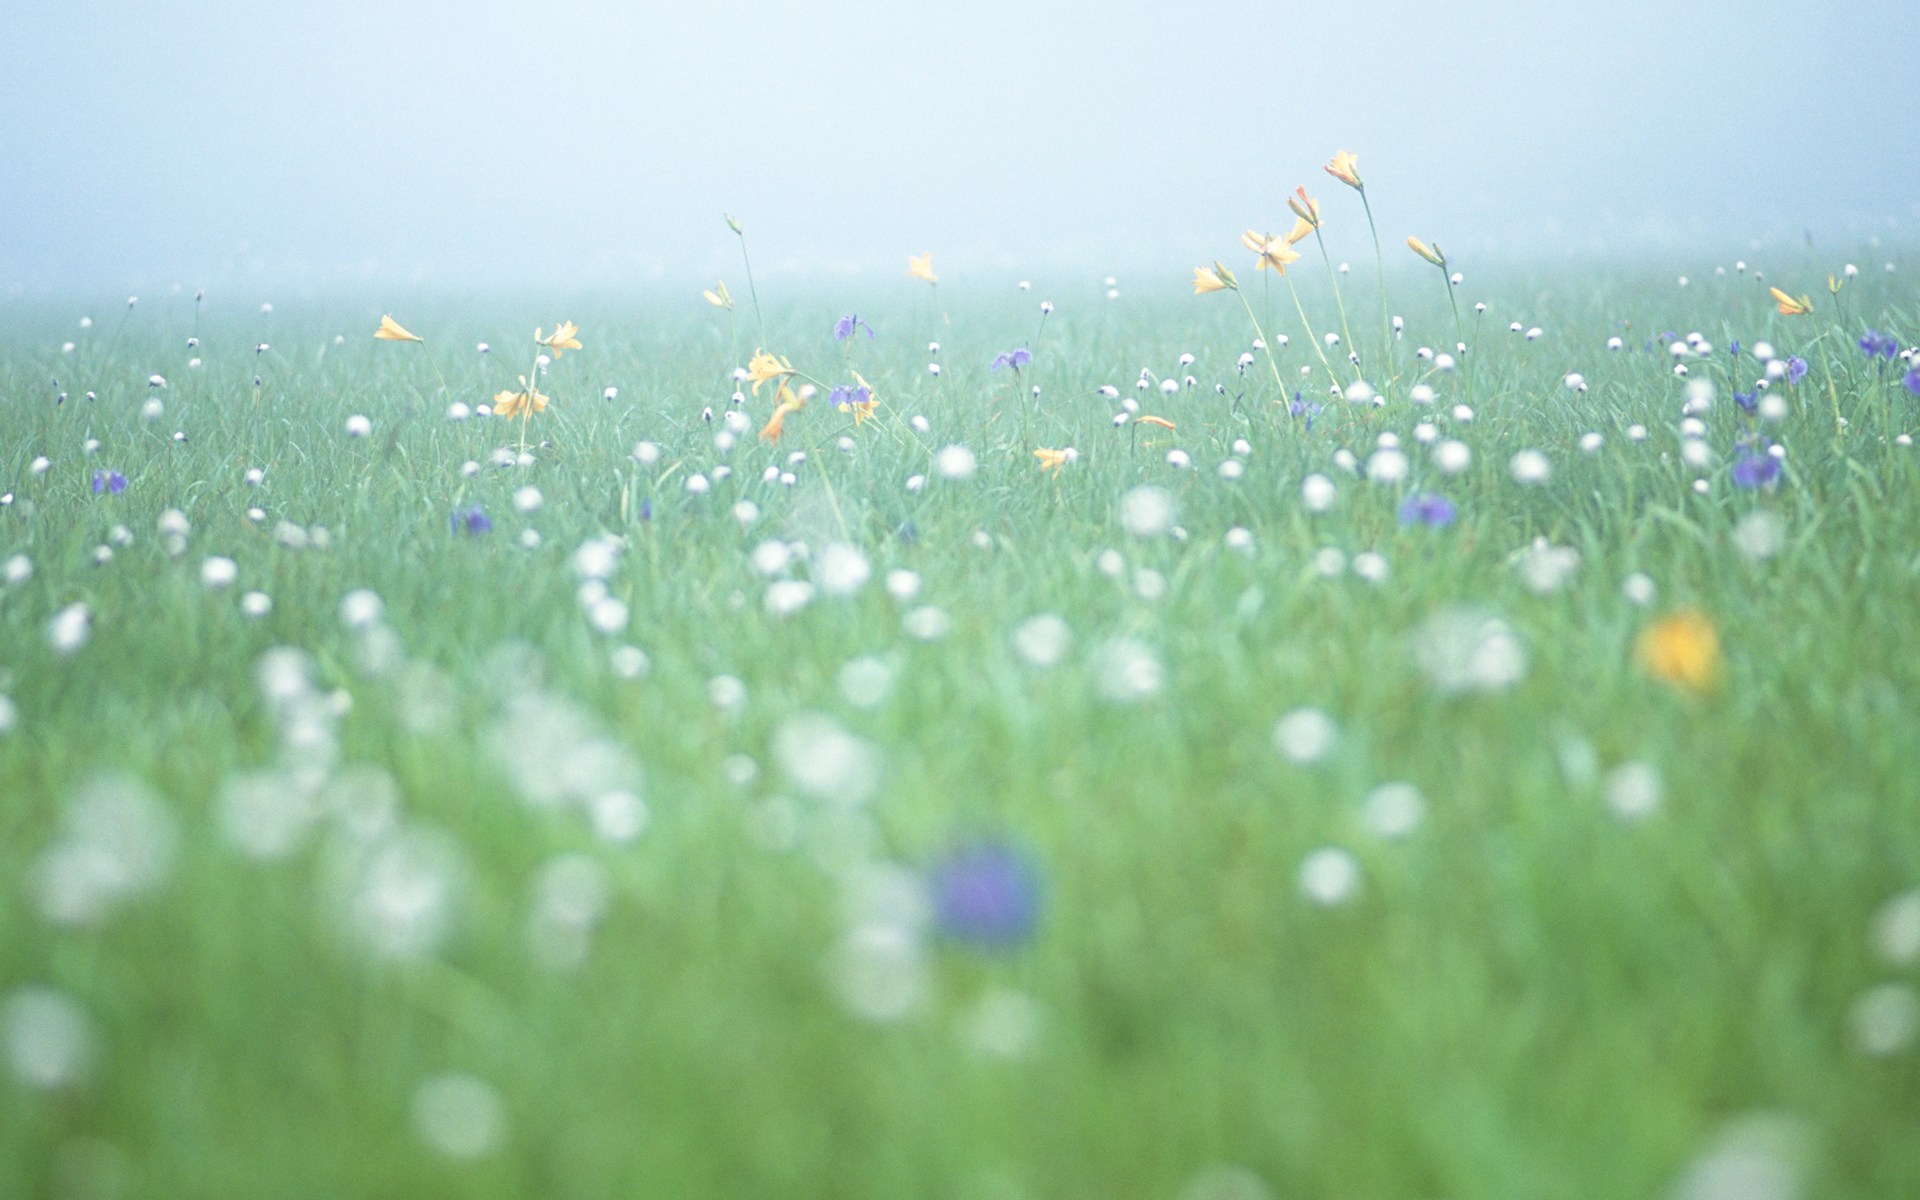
<point>143,144</point>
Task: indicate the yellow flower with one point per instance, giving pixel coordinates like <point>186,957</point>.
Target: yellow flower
<point>1430,253</point>
<point>719,297</point>
<point>920,266</point>
<point>1051,460</point>
<point>1790,307</point>
<point>1162,422</point>
<point>390,331</point>
<point>1301,228</point>
<point>1209,279</point>
<point>1346,168</point>
<point>789,403</point>
<point>562,338</point>
<point>764,366</point>
<point>522,403</point>
<point>1272,251</point>
<point>1307,209</point>
<point>1682,650</point>
<point>862,409</point>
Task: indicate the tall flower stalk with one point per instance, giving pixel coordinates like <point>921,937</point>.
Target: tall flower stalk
<point>1346,168</point>
<point>1275,254</point>
<point>391,330</point>
<point>1218,278</point>
<point>529,400</point>
<point>758,319</point>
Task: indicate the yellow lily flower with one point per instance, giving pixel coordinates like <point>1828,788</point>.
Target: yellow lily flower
<point>1051,460</point>
<point>764,366</point>
<point>1208,279</point>
<point>390,331</point>
<point>524,402</point>
<point>862,409</point>
<point>920,266</point>
<point>1162,422</point>
<point>1306,208</point>
<point>1430,253</point>
<point>789,403</point>
<point>1789,306</point>
<point>1346,168</point>
<point>719,297</point>
<point>1272,251</point>
<point>1682,650</point>
<point>563,338</point>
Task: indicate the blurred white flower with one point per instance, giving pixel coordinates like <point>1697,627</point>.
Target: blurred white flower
<point>1306,735</point>
<point>1469,650</point>
<point>1126,670</point>
<point>1632,790</point>
<point>1393,810</point>
<point>47,1039</point>
<point>70,628</point>
<point>1386,466</point>
<point>1043,640</point>
<point>1544,567</point>
<point>1148,511</point>
<point>1318,493</point>
<point>1451,457</point>
<point>459,1116</point>
<point>217,573</point>
<point>825,761</point>
<point>1330,876</point>
<point>361,609</point>
<point>841,569</point>
<point>954,462</point>
<point>1531,468</point>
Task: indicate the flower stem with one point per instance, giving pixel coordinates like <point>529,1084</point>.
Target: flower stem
<point>1380,263</point>
<point>434,363</point>
<point>1311,335</point>
<point>1338,300</point>
<point>753,291</point>
<point>1265,344</point>
<point>1459,335</point>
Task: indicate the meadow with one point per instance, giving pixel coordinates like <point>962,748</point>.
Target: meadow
<point>1459,774</point>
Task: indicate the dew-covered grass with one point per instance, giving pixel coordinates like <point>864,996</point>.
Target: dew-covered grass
<point>926,822</point>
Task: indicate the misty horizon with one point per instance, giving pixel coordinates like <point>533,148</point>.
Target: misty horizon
<point>444,148</point>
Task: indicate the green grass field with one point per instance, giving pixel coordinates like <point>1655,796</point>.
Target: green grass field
<point>748,837</point>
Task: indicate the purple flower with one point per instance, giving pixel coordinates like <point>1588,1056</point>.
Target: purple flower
<point>987,893</point>
<point>111,482</point>
<point>1012,358</point>
<point>1755,468</point>
<point>845,326</point>
<point>847,395</point>
<point>1302,408</point>
<point>1749,402</point>
<point>1913,381</point>
<point>1425,508</point>
<point>1734,348</point>
<point>1878,345</point>
<point>471,520</point>
<point>1796,369</point>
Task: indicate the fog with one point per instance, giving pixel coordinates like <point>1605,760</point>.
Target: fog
<point>494,145</point>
